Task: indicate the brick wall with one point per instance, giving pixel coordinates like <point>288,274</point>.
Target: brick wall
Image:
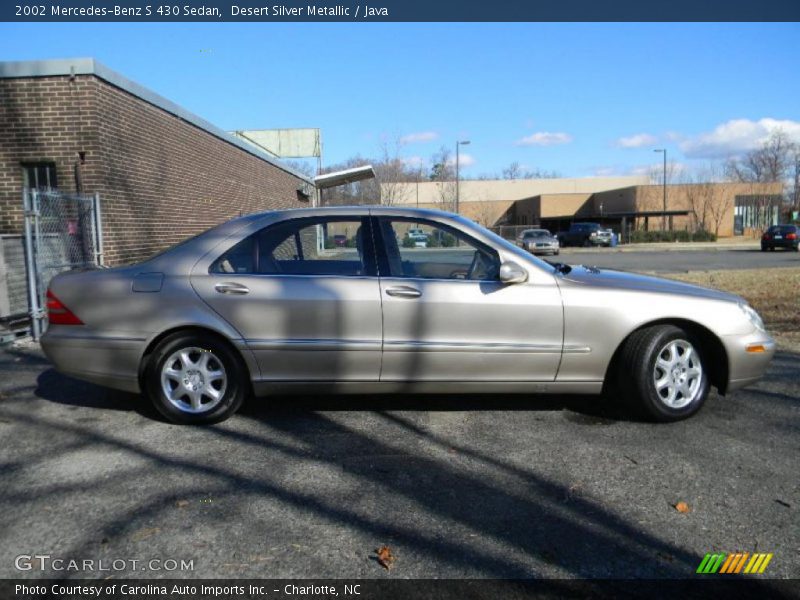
<point>160,178</point>
<point>45,119</point>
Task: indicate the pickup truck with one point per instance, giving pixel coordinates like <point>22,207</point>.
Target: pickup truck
<point>585,234</point>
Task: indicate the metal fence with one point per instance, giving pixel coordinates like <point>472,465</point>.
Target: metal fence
<point>13,286</point>
<point>62,232</point>
<point>510,232</point>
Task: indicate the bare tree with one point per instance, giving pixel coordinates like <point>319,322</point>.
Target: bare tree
<point>484,212</point>
<point>392,173</point>
<point>512,171</point>
<point>302,166</point>
<point>716,207</point>
<point>796,178</point>
<point>443,174</point>
<point>516,171</point>
<point>770,163</point>
<point>656,172</point>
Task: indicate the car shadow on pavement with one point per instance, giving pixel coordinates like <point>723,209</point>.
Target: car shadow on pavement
<point>457,485</point>
<point>62,389</point>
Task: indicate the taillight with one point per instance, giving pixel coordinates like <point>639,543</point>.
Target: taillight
<point>791,236</point>
<point>58,313</point>
<point>767,236</point>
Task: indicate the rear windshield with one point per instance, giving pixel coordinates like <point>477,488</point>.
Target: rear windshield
<point>783,228</point>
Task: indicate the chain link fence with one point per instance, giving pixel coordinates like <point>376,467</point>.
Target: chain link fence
<point>510,232</point>
<point>13,286</point>
<point>62,232</point>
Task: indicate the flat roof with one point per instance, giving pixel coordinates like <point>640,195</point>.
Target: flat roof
<point>89,66</point>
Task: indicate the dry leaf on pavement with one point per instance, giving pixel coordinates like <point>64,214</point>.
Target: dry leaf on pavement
<point>682,507</point>
<point>385,557</point>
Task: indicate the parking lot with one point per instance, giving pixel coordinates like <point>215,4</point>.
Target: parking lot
<point>676,261</point>
<point>457,486</point>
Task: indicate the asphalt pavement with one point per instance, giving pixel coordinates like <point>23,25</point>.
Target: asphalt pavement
<point>676,261</point>
<point>456,486</point>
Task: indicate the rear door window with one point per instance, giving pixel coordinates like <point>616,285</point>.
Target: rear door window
<point>336,246</point>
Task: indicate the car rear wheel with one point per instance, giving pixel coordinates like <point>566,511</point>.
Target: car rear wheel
<point>662,373</point>
<point>194,378</point>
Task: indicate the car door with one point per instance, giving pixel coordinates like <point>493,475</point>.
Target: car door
<point>447,317</point>
<point>306,302</point>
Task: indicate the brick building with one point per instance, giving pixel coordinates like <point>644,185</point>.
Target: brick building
<point>621,203</point>
<point>162,173</point>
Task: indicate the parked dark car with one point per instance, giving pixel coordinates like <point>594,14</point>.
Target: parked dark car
<point>585,234</point>
<point>340,241</point>
<point>781,236</point>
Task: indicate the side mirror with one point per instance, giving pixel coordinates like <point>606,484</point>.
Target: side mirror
<point>511,272</point>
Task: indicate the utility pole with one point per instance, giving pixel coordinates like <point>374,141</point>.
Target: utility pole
<point>458,143</point>
<point>664,201</point>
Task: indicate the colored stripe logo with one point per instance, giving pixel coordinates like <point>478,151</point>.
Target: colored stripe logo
<point>734,563</point>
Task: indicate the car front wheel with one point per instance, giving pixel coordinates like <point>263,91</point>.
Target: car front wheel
<point>193,378</point>
<point>662,373</point>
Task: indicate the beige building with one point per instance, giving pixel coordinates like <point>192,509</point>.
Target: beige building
<point>621,203</point>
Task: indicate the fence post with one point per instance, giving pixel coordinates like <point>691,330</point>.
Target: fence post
<point>35,310</point>
<point>98,227</point>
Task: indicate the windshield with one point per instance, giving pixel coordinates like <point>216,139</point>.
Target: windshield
<point>537,233</point>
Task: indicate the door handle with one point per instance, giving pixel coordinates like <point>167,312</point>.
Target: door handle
<point>232,288</point>
<point>403,292</point>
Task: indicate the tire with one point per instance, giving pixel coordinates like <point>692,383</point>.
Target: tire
<point>763,248</point>
<point>555,252</point>
<point>658,376</point>
<point>586,243</point>
<point>192,357</point>
<point>772,248</point>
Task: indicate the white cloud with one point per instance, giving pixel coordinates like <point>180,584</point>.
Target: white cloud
<point>674,169</point>
<point>736,136</point>
<point>464,160</point>
<point>638,140</point>
<point>419,137</point>
<point>605,171</point>
<point>545,138</point>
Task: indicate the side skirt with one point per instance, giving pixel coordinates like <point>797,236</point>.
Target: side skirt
<point>263,388</point>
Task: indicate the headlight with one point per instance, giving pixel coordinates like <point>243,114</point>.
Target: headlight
<point>753,316</point>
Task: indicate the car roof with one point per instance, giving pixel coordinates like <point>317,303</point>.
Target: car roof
<point>349,210</point>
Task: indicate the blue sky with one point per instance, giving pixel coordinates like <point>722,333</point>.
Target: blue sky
<point>581,99</point>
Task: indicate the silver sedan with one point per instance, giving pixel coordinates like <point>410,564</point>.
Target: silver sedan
<point>329,300</point>
<point>538,241</point>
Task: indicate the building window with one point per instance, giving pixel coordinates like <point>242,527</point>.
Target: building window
<point>757,212</point>
<point>39,176</point>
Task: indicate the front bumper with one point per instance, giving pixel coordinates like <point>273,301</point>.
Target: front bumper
<point>746,367</point>
<point>542,249</point>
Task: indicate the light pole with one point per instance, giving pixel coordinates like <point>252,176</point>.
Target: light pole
<point>458,144</point>
<point>664,211</point>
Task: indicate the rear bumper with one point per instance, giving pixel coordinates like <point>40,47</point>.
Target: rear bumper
<point>746,367</point>
<point>789,244</point>
<point>108,361</point>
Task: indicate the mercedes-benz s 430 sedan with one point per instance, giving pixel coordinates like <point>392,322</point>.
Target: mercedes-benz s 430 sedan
<point>275,302</point>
